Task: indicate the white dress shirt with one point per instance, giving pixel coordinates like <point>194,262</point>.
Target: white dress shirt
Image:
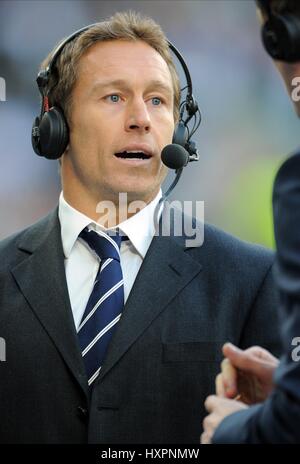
<point>81,263</point>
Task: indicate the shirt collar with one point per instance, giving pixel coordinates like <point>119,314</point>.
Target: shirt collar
<point>139,228</point>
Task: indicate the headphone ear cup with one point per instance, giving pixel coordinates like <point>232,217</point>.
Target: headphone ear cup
<point>281,38</point>
<point>180,135</point>
<point>272,35</point>
<point>53,134</point>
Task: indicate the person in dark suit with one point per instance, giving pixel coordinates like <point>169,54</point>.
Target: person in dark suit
<point>119,91</point>
<point>254,374</point>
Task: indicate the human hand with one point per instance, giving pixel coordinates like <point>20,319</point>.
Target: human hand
<point>246,373</point>
<point>219,408</point>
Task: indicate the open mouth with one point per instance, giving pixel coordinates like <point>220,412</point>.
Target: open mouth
<point>133,155</point>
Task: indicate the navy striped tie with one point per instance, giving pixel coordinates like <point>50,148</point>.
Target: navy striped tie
<point>105,304</point>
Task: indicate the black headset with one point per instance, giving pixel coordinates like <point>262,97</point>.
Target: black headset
<point>50,133</point>
<point>281,34</point>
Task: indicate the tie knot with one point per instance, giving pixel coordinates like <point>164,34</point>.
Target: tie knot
<point>104,245</point>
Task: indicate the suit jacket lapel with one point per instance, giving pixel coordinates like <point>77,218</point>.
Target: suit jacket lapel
<point>41,279</point>
<point>165,271</point>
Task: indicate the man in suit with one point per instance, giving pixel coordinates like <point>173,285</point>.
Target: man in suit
<point>119,91</point>
<point>254,374</point>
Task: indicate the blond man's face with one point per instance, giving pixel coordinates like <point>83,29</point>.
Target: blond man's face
<point>122,102</point>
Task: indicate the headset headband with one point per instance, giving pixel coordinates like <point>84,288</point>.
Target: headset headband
<point>50,133</point>
<point>44,75</point>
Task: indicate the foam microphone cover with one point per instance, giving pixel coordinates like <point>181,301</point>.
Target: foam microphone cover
<point>174,156</point>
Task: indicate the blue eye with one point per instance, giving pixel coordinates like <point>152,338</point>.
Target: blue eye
<point>114,98</point>
<point>156,101</point>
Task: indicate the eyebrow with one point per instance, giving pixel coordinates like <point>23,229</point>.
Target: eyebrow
<point>120,83</point>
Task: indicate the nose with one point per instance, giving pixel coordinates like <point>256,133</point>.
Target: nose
<point>138,118</point>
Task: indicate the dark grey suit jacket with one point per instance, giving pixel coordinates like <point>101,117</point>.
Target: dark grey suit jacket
<point>164,356</point>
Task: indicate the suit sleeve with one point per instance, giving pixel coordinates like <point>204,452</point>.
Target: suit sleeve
<point>277,419</point>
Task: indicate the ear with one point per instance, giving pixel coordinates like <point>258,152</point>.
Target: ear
<point>261,16</point>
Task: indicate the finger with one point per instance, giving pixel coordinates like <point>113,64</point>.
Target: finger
<point>263,354</point>
<point>211,402</point>
<point>220,387</point>
<point>229,377</point>
<point>229,350</point>
<point>250,358</point>
<point>205,439</point>
<point>241,359</point>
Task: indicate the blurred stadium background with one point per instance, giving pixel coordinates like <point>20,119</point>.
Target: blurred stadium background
<point>248,124</point>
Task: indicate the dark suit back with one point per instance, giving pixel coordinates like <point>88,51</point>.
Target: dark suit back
<point>277,419</point>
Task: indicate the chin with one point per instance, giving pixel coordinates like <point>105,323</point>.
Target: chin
<point>133,192</point>
<point>139,186</point>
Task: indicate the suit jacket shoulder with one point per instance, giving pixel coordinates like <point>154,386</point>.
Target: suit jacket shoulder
<point>228,257</point>
<point>12,248</point>
<point>234,247</point>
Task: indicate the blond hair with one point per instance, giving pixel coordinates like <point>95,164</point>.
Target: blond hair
<point>121,26</point>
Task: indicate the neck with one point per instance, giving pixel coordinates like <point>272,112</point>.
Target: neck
<point>115,209</point>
